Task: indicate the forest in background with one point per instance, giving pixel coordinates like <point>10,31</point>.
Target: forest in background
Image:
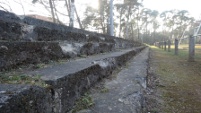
<point>132,20</point>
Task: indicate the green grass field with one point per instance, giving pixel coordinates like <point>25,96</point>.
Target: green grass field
<point>183,51</point>
<point>179,81</point>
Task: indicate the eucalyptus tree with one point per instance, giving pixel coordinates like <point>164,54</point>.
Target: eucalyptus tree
<point>192,25</point>
<point>132,10</point>
<point>48,4</point>
<point>96,18</point>
<point>153,21</point>
<point>126,14</point>
<point>176,22</point>
<point>104,14</point>
<point>52,7</point>
<point>169,22</point>
<point>182,20</point>
<point>145,18</point>
<point>121,8</point>
<point>89,17</point>
<point>155,25</point>
<point>150,24</point>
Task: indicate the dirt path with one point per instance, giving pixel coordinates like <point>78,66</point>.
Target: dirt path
<point>175,84</point>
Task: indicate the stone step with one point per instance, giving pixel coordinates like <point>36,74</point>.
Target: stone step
<point>16,98</point>
<point>124,91</point>
<point>47,41</point>
<point>30,29</point>
<point>68,81</point>
<point>17,53</point>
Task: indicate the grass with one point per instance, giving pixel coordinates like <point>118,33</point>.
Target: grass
<point>84,102</point>
<point>22,79</point>
<point>104,90</point>
<point>183,51</point>
<point>179,80</point>
<point>40,65</point>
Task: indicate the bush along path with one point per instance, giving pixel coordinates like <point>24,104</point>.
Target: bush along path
<point>174,84</point>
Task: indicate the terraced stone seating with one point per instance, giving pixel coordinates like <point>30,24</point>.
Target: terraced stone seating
<point>24,41</point>
<point>47,44</point>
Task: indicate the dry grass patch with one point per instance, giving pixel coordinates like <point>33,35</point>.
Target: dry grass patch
<point>179,80</point>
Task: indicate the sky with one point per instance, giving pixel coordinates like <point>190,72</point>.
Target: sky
<point>193,6</point>
<point>39,9</point>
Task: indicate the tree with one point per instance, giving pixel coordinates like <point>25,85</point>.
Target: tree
<point>51,7</point>
<point>121,8</point>
<point>96,19</point>
<point>176,22</point>
<point>182,21</point>
<point>169,22</point>
<point>127,15</point>
<point>155,24</point>
<point>146,18</point>
<point>5,6</point>
<point>48,6</point>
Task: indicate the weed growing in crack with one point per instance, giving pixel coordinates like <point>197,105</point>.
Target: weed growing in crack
<point>84,102</point>
<point>104,90</point>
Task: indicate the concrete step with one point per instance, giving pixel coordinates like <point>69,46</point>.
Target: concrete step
<point>124,91</point>
<point>72,79</point>
<point>17,98</point>
<point>16,53</point>
<point>68,81</point>
<point>22,38</point>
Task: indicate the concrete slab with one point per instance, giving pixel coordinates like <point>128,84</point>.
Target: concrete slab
<point>125,91</point>
<point>58,71</point>
<point>72,79</point>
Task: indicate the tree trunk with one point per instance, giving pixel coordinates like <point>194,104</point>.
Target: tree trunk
<point>120,26</point>
<point>138,29</point>
<point>102,16</point>
<point>54,7</point>
<point>132,31</point>
<point>128,18</point>
<point>78,19</point>
<point>67,7</point>
<point>52,11</point>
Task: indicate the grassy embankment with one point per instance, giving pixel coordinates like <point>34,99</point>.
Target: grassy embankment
<point>179,80</point>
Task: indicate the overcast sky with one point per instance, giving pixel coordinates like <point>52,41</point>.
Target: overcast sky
<point>193,6</point>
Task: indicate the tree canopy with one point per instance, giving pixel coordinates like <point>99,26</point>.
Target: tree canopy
<point>131,19</point>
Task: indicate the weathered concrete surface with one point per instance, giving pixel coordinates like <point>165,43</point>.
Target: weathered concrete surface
<point>125,90</point>
<point>67,82</point>
<point>24,99</point>
<point>14,28</point>
<point>10,30</point>
<point>13,54</point>
<point>70,80</point>
<point>9,16</point>
<point>22,41</point>
<point>49,42</point>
